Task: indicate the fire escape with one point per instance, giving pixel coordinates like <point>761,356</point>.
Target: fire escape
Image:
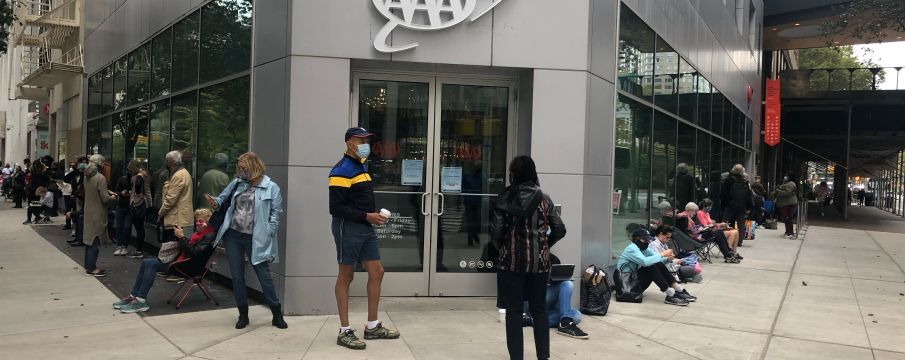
<point>47,34</point>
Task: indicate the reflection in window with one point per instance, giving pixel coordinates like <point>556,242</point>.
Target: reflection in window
<point>93,137</point>
<point>184,126</point>
<point>225,38</point>
<point>666,71</point>
<point>631,177</point>
<point>95,92</point>
<point>139,74</point>
<point>636,55</point>
<point>185,53</point>
<point>161,62</point>
<point>702,164</point>
<point>119,83</point>
<point>158,147</point>
<point>687,82</point>
<point>107,90</point>
<point>716,112</point>
<point>117,157</point>
<point>705,97</point>
<point>663,162</point>
<point>222,135</point>
<point>683,179</point>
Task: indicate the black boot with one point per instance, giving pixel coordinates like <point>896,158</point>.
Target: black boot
<point>243,317</point>
<point>278,321</point>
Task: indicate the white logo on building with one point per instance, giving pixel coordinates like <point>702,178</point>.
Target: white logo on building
<point>423,15</point>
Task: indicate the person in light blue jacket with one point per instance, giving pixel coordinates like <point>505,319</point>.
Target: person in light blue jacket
<point>638,257</point>
<point>249,230</point>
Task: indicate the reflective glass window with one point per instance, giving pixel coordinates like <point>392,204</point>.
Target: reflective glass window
<point>223,122</point>
<point>683,176</point>
<point>120,73</point>
<point>666,72</point>
<point>636,55</point>
<point>632,169</point>
<point>687,83</point>
<point>663,162</point>
<point>185,52</point>
<point>107,90</point>
<point>161,63</point>
<point>225,38</point>
<point>139,74</point>
<point>184,127</point>
<point>158,147</point>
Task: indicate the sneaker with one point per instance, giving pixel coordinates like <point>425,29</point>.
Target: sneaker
<point>119,251</point>
<point>737,256</point>
<point>125,301</point>
<point>675,300</point>
<point>527,321</point>
<point>161,273</point>
<point>380,332</point>
<point>174,278</point>
<point>793,237</point>
<point>731,260</point>
<point>348,339</point>
<point>66,227</point>
<point>134,254</point>
<point>572,331</point>
<point>135,306</point>
<point>686,296</point>
<point>99,273</point>
<point>76,243</point>
<point>26,222</point>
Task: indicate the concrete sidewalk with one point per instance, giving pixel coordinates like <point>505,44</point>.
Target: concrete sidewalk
<point>838,294</point>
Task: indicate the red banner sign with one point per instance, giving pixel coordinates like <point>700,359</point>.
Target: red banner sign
<point>772,109</point>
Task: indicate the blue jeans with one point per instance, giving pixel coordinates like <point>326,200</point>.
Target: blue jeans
<point>238,248</point>
<point>559,303</point>
<point>146,274</point>
<point>79,227</point>
<point>123,221</point>
<point>91,253</point>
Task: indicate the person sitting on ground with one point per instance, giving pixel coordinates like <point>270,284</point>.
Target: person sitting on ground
<point>560,313</point>
<point>638,257</point>
<point>663,235</point>
<point>725,237</point>
<point>719,230</point>
<point>41,210</point>
<point>200,241</point>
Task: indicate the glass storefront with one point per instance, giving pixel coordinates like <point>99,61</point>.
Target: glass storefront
<point>675,132</point>
<point>186,89</point>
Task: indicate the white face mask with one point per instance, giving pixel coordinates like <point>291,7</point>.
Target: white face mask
<point>363,151</point>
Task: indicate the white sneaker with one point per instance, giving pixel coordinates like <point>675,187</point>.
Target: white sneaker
<point>119,251</point>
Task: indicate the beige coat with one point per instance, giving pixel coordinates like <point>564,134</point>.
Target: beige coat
<point>97,200</point>
<point>176,207</point>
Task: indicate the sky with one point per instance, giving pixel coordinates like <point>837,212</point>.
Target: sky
<point>888,54</point>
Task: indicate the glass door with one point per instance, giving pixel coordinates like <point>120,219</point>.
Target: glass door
<point>438,159</point>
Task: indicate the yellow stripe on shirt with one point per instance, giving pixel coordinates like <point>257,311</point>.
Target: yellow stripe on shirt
<point>340,182</point>
<point>361,178</point>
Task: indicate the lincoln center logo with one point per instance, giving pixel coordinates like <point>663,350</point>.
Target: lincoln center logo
<point>423,15</point>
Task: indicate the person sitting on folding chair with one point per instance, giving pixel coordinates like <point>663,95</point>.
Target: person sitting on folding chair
<point>699,226</point>
<point>199,242</point>
<point>40,210</point>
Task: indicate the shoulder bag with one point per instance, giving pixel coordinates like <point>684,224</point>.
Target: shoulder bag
<point>219,215</point>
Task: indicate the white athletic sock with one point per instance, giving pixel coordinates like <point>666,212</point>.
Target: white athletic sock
<point>343,329</point>
<point>373,324</point>
<point>680,288</point>
<point>670,292</point>
<point>139,299</point>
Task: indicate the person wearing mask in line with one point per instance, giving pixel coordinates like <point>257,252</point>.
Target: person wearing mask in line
<point>787,203</point>
<point>139,202</point>
<point>663,235</point>
<point>737,199</point>
<point>70,179</point>
<point>78,215</point>
<point>354,213</point>
<point>560,313</point>
<point>18,179</point>
<point>123,220</point>
<point>97,199</point>
<point>725,237</point>
<point>250,230</point>
<point>823,198</point>
<point>176,205</point>
<point>650,267</point>
<point>524,226</point>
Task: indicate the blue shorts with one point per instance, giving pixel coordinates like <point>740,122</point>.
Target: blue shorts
<point>355,242</point>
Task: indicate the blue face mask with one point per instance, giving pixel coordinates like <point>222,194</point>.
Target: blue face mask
<point>364,150</point>
<point>707,209</point>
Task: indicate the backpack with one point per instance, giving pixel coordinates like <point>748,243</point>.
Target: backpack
<point>740,189</point>
<point>595,291</point>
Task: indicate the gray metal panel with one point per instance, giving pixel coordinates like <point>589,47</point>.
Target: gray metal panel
<point>269,113</point>
<point>469,43</point>
<point>131,25</point>
<point>310,245</point>
<point>559,121</point>
<point>541,34</point>
<point>175,9</point>
<point>280,175</point>
<point>603,38</point>
<point>599,134</point>
<point>310,295</point>
<point>271,30</point>
<point>156,18</point>
<point>565,190</point>
<point>319,110</point>
<point>336,28</point>
<point>596,220</point>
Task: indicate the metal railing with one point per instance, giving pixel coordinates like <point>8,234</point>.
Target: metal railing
<point>810,81</point>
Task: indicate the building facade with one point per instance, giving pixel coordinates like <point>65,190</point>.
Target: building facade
<point>609,97</point>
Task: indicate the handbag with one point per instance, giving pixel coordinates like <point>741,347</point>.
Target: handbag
<point>168,251</point>
<point>595,292</point>
<point>219,215</point>
<point>628,287</point>
<point>138,212</point>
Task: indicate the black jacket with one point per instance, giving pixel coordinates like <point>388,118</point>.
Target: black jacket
<point>524,226</point>
<point>736,194</point>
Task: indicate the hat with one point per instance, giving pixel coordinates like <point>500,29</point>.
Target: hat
<point>358,132</point>
<point>642,233</point>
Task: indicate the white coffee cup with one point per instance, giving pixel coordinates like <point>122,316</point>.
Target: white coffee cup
<point>386,213</point>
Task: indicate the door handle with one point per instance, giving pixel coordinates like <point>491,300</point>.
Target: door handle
<point>442,206</point>
<point>424,211</point>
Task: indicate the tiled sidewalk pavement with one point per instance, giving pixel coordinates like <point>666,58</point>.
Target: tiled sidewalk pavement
<point>851,308</point>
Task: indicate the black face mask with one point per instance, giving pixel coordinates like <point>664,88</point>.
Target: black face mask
<point>641,243</point>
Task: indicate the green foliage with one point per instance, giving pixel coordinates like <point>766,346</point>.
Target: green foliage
<point>840,58</point>
<point>6,20</point>
<point>868,20</point>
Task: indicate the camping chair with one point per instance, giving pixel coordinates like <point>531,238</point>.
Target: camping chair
<point>685,243</point>
<point>194,270</point>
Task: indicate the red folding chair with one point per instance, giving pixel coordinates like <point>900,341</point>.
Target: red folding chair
<point>194,271</point>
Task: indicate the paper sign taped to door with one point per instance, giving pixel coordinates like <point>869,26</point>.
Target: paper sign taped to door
<point>412,172</point>
<point>451,179</point>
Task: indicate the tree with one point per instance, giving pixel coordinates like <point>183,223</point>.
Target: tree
<point>868,20</point>
<point>840,59</point>
<point>6,20</point>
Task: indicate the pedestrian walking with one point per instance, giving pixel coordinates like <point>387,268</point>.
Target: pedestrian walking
<point>176,205</point>
<point>97,199</point>
<point>354,216</point>
<point>249,230</point>
<point>524,226</point>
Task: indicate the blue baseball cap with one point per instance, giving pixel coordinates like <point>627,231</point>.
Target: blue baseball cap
<point>358,132</point>
<point>643,234</point>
